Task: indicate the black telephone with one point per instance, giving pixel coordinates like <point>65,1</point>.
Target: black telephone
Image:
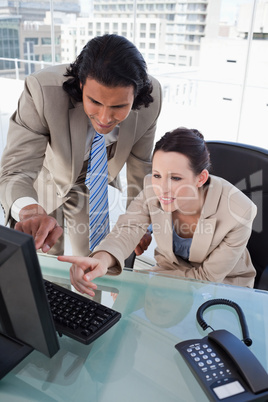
<point>225,368</point>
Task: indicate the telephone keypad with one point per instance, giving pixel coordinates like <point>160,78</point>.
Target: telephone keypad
<point>207,360</point>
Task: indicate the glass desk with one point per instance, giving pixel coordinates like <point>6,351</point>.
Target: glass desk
<point>136,359</point>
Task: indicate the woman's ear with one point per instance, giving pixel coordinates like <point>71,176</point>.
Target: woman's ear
<point>202,178</point>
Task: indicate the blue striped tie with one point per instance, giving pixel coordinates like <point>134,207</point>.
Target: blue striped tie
<point>97,183</point>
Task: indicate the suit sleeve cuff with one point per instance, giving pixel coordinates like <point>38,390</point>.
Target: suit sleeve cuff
<point>19,204</point>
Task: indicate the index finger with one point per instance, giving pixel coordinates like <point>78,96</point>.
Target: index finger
<point>81,261</point>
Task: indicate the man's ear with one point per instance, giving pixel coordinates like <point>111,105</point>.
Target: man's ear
<point>202,178</point>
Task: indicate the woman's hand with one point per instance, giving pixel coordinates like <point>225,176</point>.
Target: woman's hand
<point>85,269</point>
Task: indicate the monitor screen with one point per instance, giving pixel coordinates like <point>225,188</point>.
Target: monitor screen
<point>25,314</point>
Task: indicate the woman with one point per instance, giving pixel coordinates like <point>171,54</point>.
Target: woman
<point>201,222</point>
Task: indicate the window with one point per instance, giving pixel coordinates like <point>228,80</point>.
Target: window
<point>33,40</point>
<point>170,6</point>
<point>46,41</point>
<point>47,57</point>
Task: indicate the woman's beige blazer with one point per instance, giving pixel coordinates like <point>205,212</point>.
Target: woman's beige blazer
<point>218,251</point>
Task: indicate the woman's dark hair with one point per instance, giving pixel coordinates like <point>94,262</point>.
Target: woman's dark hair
<point>189,142</point>
<point>113,61</point>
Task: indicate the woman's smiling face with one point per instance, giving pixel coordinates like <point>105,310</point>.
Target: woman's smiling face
<point>174,182</point>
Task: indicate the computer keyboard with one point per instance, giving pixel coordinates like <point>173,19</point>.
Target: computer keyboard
<point>77,316</point>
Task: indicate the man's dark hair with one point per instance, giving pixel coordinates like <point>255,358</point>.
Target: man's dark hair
<point>113,61</point>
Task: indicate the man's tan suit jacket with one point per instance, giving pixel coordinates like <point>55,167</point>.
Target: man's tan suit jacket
<point>47,137</point>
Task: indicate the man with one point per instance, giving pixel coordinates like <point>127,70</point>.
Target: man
<point>45,162</point>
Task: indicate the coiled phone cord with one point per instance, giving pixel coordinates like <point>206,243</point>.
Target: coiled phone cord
<point>199,316</point>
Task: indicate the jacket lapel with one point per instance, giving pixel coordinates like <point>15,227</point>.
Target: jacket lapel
<point>162,228</point>
<point>202,239</point>
<point>78,129</point>
<point>206,226</point>
<point>126,136</point>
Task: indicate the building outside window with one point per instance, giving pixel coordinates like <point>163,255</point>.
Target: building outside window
<point>218,30</point>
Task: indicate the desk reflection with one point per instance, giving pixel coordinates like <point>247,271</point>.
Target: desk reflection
<point>136,359</point>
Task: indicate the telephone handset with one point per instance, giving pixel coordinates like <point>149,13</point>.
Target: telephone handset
<point>225,368</point>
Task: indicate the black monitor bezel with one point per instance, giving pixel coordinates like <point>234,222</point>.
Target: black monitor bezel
<point>13,241</point>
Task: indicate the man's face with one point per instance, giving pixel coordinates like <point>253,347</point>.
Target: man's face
<point>106,106</point>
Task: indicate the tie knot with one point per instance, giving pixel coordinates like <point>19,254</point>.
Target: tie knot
<point>98,137</point>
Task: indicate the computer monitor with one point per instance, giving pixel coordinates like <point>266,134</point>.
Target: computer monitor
<point>26,322</point>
